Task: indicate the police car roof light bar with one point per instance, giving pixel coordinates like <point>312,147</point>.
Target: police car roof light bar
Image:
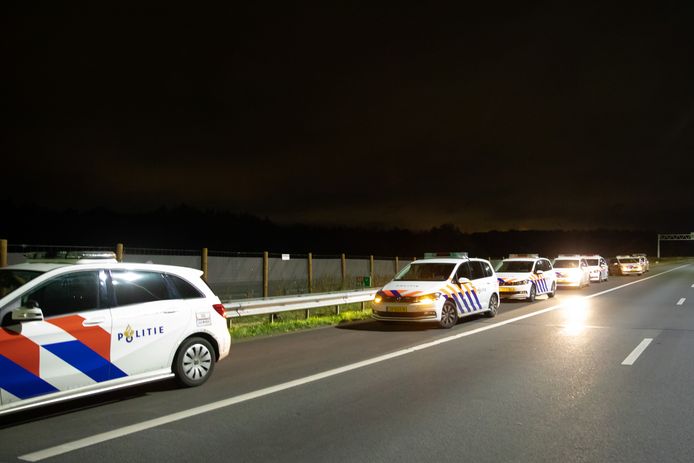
<point>434,255</point>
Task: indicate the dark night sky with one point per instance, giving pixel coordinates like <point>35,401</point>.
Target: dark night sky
<point>514,115</point>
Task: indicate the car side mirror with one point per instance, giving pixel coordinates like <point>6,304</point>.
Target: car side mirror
<point>462,280</point>
<point>539,272</point>
<point>27,314</point>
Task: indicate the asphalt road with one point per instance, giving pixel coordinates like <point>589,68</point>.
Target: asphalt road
<point>558,380</point>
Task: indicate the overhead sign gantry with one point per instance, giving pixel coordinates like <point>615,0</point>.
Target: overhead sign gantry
<point>674,237</point>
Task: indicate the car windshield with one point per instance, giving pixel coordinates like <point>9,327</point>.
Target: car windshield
<point>566,263</point>
<point>629,260</point>
<point>519,266</point>
<point>593,262</point>
<point>425,272</point>
<point>12,279</point>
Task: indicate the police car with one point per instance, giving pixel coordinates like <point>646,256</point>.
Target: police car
<point>629,265</point>
<point>597,268</point>
<point>571,270</point>
<point>85,323</point>
<point>439,289</point>
<point>524,276</point>
<point>643,260</point>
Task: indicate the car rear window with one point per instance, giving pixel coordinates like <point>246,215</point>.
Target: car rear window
<point>185,290</point>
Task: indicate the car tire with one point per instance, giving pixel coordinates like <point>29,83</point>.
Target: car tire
<point>449,315</point>
<point>493,306</point>
<point>532,294</point>
<point>553,292</point>
<point>194,362</point>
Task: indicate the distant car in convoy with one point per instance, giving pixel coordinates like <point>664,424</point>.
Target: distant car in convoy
<point>597,268</point>
<point>572,271</point>
<point>84,323</point>
<point>643,260</point>
<point>439,289</point>
<point>525,276</point>
<point>629,265</point>
<point>613,266</point>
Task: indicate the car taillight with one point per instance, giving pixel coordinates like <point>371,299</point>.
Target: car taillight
<point>219,308</point>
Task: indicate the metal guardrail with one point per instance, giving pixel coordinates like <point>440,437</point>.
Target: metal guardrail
<point>235,309</point>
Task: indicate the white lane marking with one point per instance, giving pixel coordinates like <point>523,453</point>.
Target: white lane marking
<point>116,433</point>
<point>681,301</point>
<point>631,358</point>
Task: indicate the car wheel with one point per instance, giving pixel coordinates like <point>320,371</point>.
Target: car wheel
<point>194,362</point>
<point>554,290</point>
<point>493,306</point>
<point>533,293</point>
<point>449,315</point>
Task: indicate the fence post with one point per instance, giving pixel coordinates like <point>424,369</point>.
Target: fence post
<point>203,263</point>
<point>371,271</point>
<point>397,264</point>
<point>3,253</point>
<point>119,252</point>
<point>310,280</point>
<point>266,278</point>
<point>343,266</point>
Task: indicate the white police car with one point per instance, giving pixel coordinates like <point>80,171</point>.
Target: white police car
<point>643,260</point>
<point>440,290</point>
<point>597,268</point>
<point>70,330</point>
<point>525,276</point>
<point>630,265</point>
<point>571,270</point>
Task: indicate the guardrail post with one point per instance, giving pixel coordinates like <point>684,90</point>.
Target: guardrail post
<point>3,253</point>
<point>371,271</point>
<point>343,267</point>
<point>119,252</point>
<point>397,264</point>
<point>203,263</point>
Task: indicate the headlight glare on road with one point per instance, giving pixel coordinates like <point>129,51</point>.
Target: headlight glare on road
<point>576,311</point>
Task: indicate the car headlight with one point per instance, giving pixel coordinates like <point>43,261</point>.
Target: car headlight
<point>377,299</point>
<point>428,298</point>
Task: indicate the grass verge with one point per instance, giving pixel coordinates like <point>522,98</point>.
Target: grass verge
<point>287,322</point>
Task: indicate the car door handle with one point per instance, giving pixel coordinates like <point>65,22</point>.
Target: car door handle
<point>93,321</point>
<point>168,311</point>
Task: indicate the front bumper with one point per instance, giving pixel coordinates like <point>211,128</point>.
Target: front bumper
<point>415,312</point>
<point>568,282</point>
<point>514,292</point>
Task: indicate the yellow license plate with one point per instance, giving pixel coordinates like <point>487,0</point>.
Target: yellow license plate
<point>397,309</point>
<point>504,289</point>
